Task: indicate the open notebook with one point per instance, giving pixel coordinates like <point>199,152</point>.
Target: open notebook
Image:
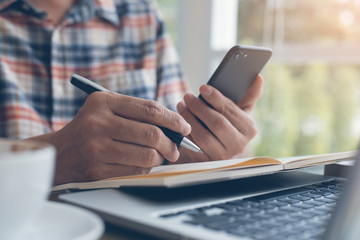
<point>205,172</point>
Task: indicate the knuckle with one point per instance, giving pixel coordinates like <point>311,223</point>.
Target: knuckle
<point>106,97</point>
<point>153,135</point>
<point>153,109</point>
<point>252,129</point>
<point>139,171</point>
<point>92,121</point>
<point>253,132</point>
<point>219,123</point>
<point>91,148</point>
<point>151,158</point>
<point>229,110</point>
<point>177,120</point>
<point>97,97</point>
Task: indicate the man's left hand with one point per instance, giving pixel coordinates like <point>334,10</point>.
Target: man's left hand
<point>223,130</point>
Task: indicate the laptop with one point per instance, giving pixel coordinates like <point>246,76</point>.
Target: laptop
<point>289,205</point>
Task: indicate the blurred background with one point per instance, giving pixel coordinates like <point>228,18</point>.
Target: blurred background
<point>311,95</point>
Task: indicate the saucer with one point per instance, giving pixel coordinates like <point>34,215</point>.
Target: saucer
<point>62,221</point>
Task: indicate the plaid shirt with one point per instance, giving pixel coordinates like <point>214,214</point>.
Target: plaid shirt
<point>119,44</point>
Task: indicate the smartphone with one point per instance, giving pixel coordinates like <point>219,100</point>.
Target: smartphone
<point>239,69</point>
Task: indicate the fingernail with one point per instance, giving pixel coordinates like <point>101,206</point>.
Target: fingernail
<point>205,90</point>
<point>187,129</point>
<point>181,107</point>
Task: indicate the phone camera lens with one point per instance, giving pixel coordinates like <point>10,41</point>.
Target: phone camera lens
<point>240,55</point>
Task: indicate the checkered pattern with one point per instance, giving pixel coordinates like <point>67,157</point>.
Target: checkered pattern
<point>119,44</point>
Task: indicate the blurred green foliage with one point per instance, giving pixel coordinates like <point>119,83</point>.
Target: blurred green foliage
<point>307,109</point>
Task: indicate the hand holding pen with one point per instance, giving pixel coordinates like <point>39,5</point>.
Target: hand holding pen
<point>114,135</point>
<point>89,87</point>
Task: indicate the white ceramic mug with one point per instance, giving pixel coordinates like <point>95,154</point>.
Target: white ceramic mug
<point>26,175</point>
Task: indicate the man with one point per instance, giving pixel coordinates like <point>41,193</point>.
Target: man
<point>121,45</point>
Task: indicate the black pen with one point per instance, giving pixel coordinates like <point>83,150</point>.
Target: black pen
<point>89,87</point>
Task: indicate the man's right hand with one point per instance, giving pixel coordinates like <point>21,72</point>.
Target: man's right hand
<point>114,135</point>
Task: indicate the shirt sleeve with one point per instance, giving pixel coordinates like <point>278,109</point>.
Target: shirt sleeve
<point>170,78</point>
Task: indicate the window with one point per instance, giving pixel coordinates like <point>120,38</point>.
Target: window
<point>311,95</point>
<point>169,11</point>
<point>311,98</point>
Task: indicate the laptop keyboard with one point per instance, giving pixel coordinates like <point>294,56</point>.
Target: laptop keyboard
<point>299,213</point>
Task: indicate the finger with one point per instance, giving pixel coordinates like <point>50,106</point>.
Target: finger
<point>202,137</point>
<point>113,152</point>
<point>237,117</point>
<point>218,124</point>
<point>254,92</point>
<point>143,134</point>
<point>142,110</point>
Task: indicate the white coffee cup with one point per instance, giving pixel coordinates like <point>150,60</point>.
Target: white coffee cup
<point>26,175</point>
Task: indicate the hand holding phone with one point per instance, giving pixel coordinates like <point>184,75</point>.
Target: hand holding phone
<point>224,129</point>
<point>238,70</point>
